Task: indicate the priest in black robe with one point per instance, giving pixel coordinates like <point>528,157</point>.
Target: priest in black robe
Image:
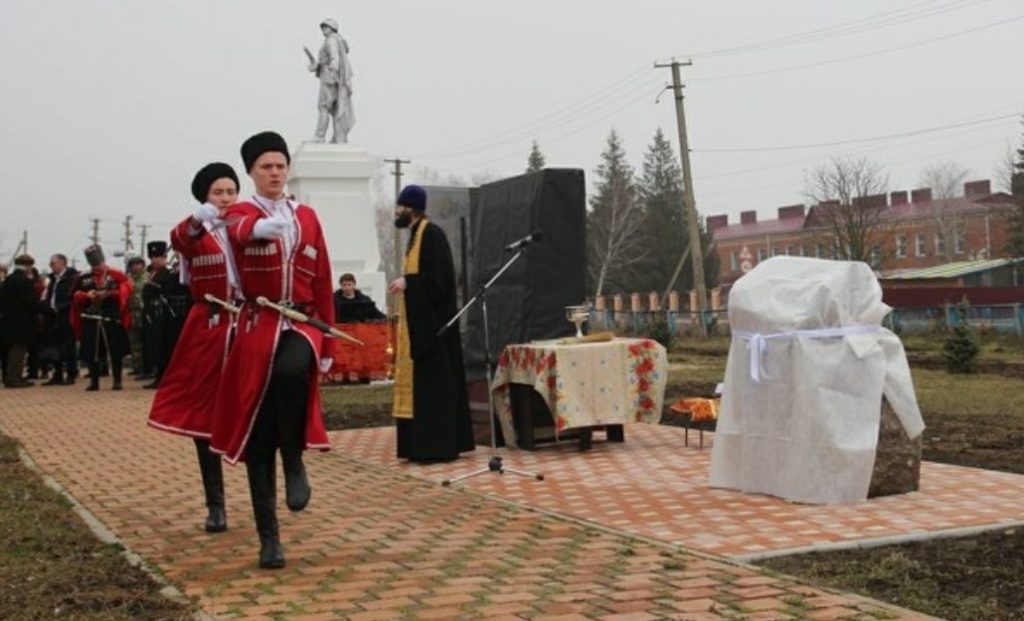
<point>431,405</point>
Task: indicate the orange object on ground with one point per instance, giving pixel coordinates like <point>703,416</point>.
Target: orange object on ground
<point>362,362</point>
<point>700,409</point>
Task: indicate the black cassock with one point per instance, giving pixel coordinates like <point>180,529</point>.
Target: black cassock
<point>440,428</point>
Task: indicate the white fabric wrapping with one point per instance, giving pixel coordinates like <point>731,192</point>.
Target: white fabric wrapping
<point>806,429</point>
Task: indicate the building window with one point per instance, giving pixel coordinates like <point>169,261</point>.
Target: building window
<point>803,250</point>
<point>960,246</point>
<point>876,257</point>
<point>901,247</point>
<point>821,251</point>
<point>734,261</point>
<point>790,251</point>
<point>761,255</point>
<point>776,252</point>
<point>940,244</point>
<point>919,245</point>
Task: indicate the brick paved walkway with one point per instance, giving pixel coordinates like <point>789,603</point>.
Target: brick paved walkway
<point>655,487</point>
<point>377,544</point>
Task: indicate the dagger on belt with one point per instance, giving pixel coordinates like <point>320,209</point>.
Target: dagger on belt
<point>295,315</point>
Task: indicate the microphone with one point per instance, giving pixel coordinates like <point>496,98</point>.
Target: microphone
<point>524,242</point>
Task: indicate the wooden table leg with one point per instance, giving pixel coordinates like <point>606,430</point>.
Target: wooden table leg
<point>615,433</point>
<point>586,438</point>
<point>522,416</point>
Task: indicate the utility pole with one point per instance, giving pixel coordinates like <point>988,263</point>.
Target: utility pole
<point>143,228</point>
<point>127,237</point>
<point>398,254</point>
<point>692,219</point>
<point>95,230</point>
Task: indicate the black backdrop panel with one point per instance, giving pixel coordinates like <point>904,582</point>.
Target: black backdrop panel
<point>528,302</point>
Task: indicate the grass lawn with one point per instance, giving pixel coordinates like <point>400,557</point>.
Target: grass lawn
<point>51,565</point>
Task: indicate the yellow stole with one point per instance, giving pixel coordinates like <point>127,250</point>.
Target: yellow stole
<point>402,407</point>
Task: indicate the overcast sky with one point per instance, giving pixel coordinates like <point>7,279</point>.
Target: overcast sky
<point>109,106</point>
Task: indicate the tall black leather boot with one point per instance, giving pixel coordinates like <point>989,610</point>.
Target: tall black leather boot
<point>94,376</point>
<point>264,508</point>
<point>213,487</point>
<point>292,434</point>
<point>115,369</point>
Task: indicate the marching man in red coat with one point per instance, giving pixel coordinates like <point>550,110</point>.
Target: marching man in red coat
<point>188,389</point>
<point>268,399</point>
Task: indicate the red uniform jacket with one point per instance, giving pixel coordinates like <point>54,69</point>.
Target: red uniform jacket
<point>188,389</point>
<point>303,278</point>
<point>122,293</point>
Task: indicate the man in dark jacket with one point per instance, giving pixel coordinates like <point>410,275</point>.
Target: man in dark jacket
<point>19,306</point>
<point>57,306</point>
<point>351,305</point>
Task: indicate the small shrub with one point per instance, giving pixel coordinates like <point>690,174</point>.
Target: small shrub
<point>961,347</point>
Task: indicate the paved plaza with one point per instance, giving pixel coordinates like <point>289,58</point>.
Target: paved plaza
<point>626,532</point>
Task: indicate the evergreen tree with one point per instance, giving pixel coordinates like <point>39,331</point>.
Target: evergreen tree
<point>615,222</point>
<point>536,160</point>
<point>666,229</point>
<point>1015,237</point>
<point>960,349</point>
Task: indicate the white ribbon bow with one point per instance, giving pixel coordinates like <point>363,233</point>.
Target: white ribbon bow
<point>757,343</point>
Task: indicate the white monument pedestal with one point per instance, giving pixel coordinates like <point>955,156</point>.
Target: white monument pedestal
<point>334,179</point>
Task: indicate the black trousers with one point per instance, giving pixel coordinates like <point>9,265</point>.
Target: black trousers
<point>281,420</point>
<point>62,339</point>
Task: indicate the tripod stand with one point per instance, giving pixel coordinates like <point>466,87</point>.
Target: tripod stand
<point>495,463</point>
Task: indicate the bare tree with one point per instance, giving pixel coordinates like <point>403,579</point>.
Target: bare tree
<point>946,181</point>
<point>1005,169</point>
<point>616,237</point>
<point>850,197</point>
<point>384,217</point>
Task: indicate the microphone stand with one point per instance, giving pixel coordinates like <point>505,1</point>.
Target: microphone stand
<point>495,463</point>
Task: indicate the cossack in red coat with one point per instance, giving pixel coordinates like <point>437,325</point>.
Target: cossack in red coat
<point>99,278</point>
<point>303,278</point>
<point>185,401</point>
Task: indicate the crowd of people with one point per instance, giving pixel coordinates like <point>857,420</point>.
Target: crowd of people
<point>234,333</point>
<point>52,325</point>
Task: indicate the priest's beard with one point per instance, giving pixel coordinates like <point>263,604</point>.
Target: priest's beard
<point>403,221</point>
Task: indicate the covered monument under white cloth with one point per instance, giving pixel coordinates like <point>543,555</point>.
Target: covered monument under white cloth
<point>808,367</point>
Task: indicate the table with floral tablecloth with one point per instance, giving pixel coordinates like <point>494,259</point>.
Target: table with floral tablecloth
<point>585,384</point>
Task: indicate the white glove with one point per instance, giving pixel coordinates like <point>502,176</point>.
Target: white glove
<point>205,213</point>
<point>326,364</point>
<point>270,228</point>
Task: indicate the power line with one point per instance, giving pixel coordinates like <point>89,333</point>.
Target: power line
<point>557,121</point>
<point>844,59</point>
<point>859,140</point>
<point>647,94</point>
<point>852,27</point>
<point>531,126</point>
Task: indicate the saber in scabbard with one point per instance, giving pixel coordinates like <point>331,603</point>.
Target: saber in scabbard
<point>98,318</point>
<point>228,306</point>
<point>295,315</point>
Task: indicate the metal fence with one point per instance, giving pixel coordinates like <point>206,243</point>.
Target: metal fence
<point>1002,318</point>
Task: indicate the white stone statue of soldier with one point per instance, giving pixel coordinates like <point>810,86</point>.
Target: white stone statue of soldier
<point>331,66</point>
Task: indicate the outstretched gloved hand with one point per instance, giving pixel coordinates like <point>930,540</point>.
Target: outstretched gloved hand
<point>205,213</point>
<point>270,228</point>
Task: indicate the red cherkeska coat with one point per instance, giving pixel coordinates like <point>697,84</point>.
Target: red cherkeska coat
<point>188,389</point>
<point>80,298</point>
<point>304,278</point>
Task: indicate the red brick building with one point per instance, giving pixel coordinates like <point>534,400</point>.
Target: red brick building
<point>914,231</point>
